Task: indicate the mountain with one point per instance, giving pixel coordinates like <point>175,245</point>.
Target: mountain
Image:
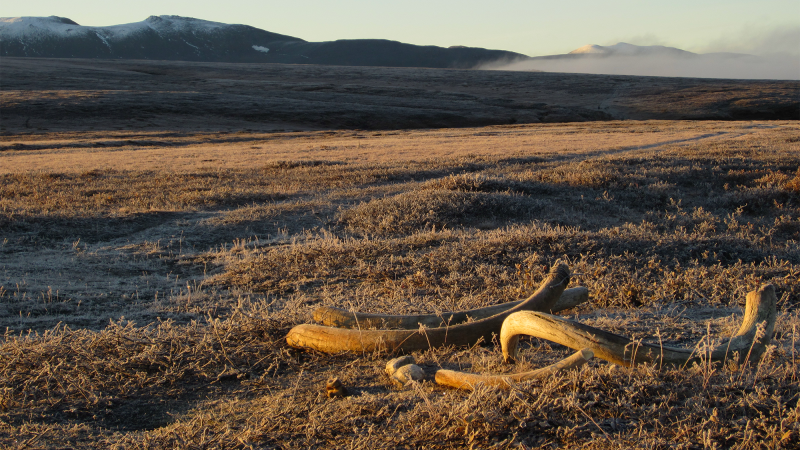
<point>621,49</point>
<point>625,49</point>
<point>164,37</point>
<point>188,39</point>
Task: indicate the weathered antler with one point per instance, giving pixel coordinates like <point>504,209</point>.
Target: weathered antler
<point>333,340</point>
<point>341,318</point>
<point>749,342</point>
<point>465,380</point>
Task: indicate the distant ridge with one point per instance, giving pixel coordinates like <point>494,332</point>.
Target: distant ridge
<point>188,39</point>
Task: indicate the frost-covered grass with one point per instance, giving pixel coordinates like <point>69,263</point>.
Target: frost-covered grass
<point>668,224</point>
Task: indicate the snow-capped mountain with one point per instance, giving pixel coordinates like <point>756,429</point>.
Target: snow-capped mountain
<point>188,39</point>
<point>157,37</point>
<point>625,49</point>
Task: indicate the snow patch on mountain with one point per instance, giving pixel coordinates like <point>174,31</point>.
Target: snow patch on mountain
<point>190,45</point>
<point>261,49</point>
<point>103,39</point>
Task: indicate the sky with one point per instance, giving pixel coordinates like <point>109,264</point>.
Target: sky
<point>531,27</point>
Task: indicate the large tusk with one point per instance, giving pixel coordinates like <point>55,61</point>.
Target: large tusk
<point>464,380</point>
<point>340,318</point>
<point>333,340</point>
<point>749,342</point>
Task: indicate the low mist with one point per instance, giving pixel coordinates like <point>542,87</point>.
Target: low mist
<point>719,65</point>
<point>765,41</point>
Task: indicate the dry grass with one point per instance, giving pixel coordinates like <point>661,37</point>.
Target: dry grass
<point>668,239</point>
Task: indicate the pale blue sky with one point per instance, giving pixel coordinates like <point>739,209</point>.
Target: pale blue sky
<point>530,27</point>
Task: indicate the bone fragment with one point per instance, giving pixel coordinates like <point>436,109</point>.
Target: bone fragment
<point>407,373</point>
<point>334,388</point>
<point>393,365</point>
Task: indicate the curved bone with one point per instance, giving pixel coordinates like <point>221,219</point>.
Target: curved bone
<point>465,380</point>
<point>341,318</point>
<point>333,340</point>
<point>749,342</point>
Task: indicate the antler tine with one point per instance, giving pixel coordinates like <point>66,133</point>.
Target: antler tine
<point>749,342</point>
<point>341,318</point>
<point>333,340</point>
<point>465,380</point>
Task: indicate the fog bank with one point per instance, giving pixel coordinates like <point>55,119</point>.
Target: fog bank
<point>765,42</point>
<point>713,65</point>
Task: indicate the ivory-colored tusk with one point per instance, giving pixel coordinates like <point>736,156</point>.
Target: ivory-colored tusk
<point>333,340</point>
<point>465,380</point>
<point>749,342</point>
<point>341,318</point>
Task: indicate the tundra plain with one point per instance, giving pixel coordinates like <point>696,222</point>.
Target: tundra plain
<point>42,94</point>
<point>147,288</point>
<point>149,274</point>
